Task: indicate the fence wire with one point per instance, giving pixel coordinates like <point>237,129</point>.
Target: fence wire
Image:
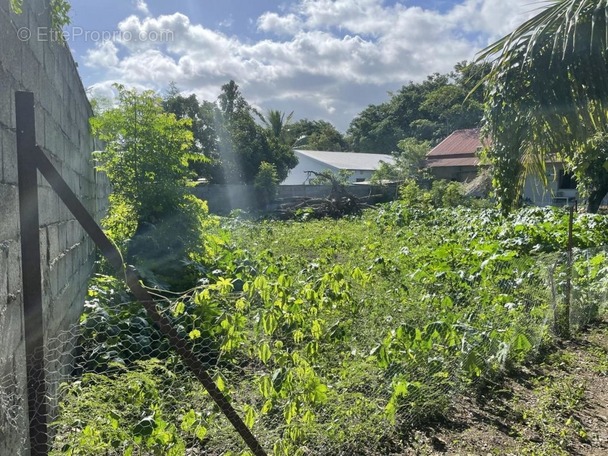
<point>357,384</point>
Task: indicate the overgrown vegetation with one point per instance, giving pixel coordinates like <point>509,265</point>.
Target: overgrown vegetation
<point>533,116</point>
<point>227,134</point>
<point>330,336</point>
<point>152,216</point>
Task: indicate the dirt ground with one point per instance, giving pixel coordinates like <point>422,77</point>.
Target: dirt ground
<point>555,407</point>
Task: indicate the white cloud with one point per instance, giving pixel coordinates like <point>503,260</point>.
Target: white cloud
<point>281,25</point>
<point>494,18</point>
<point>104,55</point>
<point>142,7</point>
<point>331,58</point>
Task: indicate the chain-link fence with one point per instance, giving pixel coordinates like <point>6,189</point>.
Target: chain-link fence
<point>309,371</point>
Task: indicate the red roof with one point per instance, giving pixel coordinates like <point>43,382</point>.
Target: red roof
<point>459,143</point>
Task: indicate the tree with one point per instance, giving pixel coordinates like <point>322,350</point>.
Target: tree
<point>226,133</point>
<point>427,111</point>
<point>548,98</point>
<point>408,165</point>
<point>146,157</point>
<point>315,135</point>
<point>202,126</point>
<point>146,153</point>
<point>276,123</point>
<point>266,182</point>
<point>590,165</point>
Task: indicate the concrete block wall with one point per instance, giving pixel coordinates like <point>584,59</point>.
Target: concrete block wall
<point>47,69</point>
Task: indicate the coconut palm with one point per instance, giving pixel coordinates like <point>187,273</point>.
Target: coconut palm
<point>547,94</point>
<point>276,123</point>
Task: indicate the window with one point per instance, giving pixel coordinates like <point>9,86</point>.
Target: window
<point>566,181</point>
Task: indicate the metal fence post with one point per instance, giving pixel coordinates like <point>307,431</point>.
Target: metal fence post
<point>31,274</point>
<point>568,291</point>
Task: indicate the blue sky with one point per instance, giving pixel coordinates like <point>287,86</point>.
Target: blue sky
<point>322,59</point>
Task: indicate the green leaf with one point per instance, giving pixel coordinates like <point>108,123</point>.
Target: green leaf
<point>188,421</point>
<point>200,432</point>
<point>269,323</point>
<point>290,411</point>
<point>145,427</point>
<point>320,394</point>
<point>316,329</point>
<point>219,381</point>
<point>473,363</point>
<point>383,357</point>
<point>249,416</point>
<point>265,385</point>
<point>264,352</point>
<point>521,343</point>
<point>180,308</point>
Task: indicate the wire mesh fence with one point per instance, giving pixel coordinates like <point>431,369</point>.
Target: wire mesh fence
<point>310,367</point>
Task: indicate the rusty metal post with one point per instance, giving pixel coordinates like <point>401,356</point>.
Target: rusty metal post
<point>31,273</point>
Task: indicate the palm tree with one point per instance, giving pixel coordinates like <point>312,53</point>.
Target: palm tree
<point>547,95</point>
<point>276,123</point>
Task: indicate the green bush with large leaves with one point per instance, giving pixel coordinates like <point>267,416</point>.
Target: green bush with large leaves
<point>338,336</point>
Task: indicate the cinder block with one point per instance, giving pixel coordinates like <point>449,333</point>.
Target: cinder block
<point>3,278</point>
<point>39,123</point>
<point>39,26</point>
<point>40,11</point>
<point>30,72</point>
<point>48,206</point>
<point>52,243</point>
<point>10,47</point>
<point>9,212</point>
<point>68,260</point>
<point>11,332</point>
<point>52,134</point>
<point>54,279</point>
<point>44,260</point>
<point>62,277</point>
<point>7,97</point>
<point>14,285</point>
<point>9,156</point>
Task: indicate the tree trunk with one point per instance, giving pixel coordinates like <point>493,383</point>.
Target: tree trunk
<point>596,197</point>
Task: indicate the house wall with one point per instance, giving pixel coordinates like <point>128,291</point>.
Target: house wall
<point>298,176</point>
<point>360,176</point>
<point>455,173</point>
<point>535,192</point>
<point>62,111</point>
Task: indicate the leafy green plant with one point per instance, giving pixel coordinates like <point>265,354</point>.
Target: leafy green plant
<point>266,182</point>
<point>367,326</point>
<point>97,418</point>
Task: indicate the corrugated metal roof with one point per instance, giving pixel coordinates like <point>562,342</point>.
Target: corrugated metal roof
<point>347,160</point>
<point>460,142</point>
<point>446,162</point>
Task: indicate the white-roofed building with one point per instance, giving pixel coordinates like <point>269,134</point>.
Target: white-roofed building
<point>361,165</point>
